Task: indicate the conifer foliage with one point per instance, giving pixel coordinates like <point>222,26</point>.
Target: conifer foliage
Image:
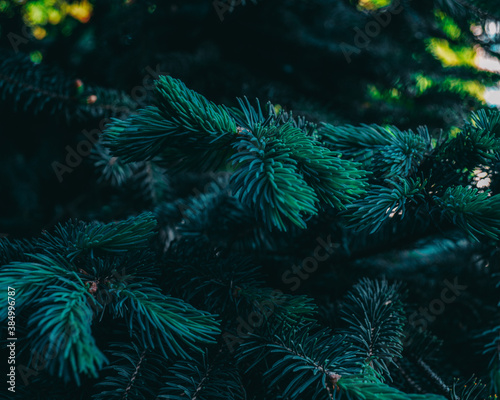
<point>229,248</point>
<point>114,308</point>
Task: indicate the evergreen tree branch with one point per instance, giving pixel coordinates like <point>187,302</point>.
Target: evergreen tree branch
<point>382,203</point>
<point>40,88</point>
<point>77,238</point>
<point>33,278</point>
<point>374,312</point>
<point>134,373</point>
<point>164,321</point>
<point>205,379</point>
<point>386,151</point>
<point>62,325</point>
<point>475,212</point>
<point>281,172</point>
<point>368,387</point>
<point>300,362</point>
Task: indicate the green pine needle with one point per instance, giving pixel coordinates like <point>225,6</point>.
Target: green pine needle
<point>475,212</point>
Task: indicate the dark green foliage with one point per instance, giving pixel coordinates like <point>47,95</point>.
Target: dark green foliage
<point>231,248</point>
<point>230,286</point>
<point>83,270</point>
<point>191,112</point>
<point>181,120</point>
<point>407,171</point>
<point>476,144</point>
<point>249,117</point>
<point>62,324</point>
<point>36,276</point>
<point>267,179</point>
<point>279,170</point>
<point>11,250</point>
<point>375,315</point>
<point>203,219</point>
<point>134,373</point>
<point>205,380</point>
<point>175,301</point>
<point>470,390</point>
<point>382,203</point>
<point>478,213</point>
<point>168,319</point>
<point>301,363</point>
<point>111,169</point>
<point>388,151</point>
<point>75,239</point>
<point>37,88</point>
<point>370,388</point>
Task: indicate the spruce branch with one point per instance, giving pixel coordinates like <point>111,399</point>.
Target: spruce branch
<point>162,321</point>
<point>369,387</point>
<point>382,203</point>
<point>112,170</point>
<point>267,179</point>
<point>471,389</point>
<point>475,212</point>
<point>62,324</point>
<point>130,234</point>
<point>34,277</point>
<point>41,88</point>
<point>14,250</point>
<point>374,312</point>
<point>281,171</point>
<point>184,129</point>
<point>230,286</point>
<point>134,373</point>
<point>386,151</point>
<point>325,171</point>
<point>208,378</point>
<point>77,238</point>
<point>71,293</point>
<point>486,120</point>
<point>192,112</point>
<point>300,362</point>
<point>477,143</point>
<point>215,215</point>
<point>250,117</point>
